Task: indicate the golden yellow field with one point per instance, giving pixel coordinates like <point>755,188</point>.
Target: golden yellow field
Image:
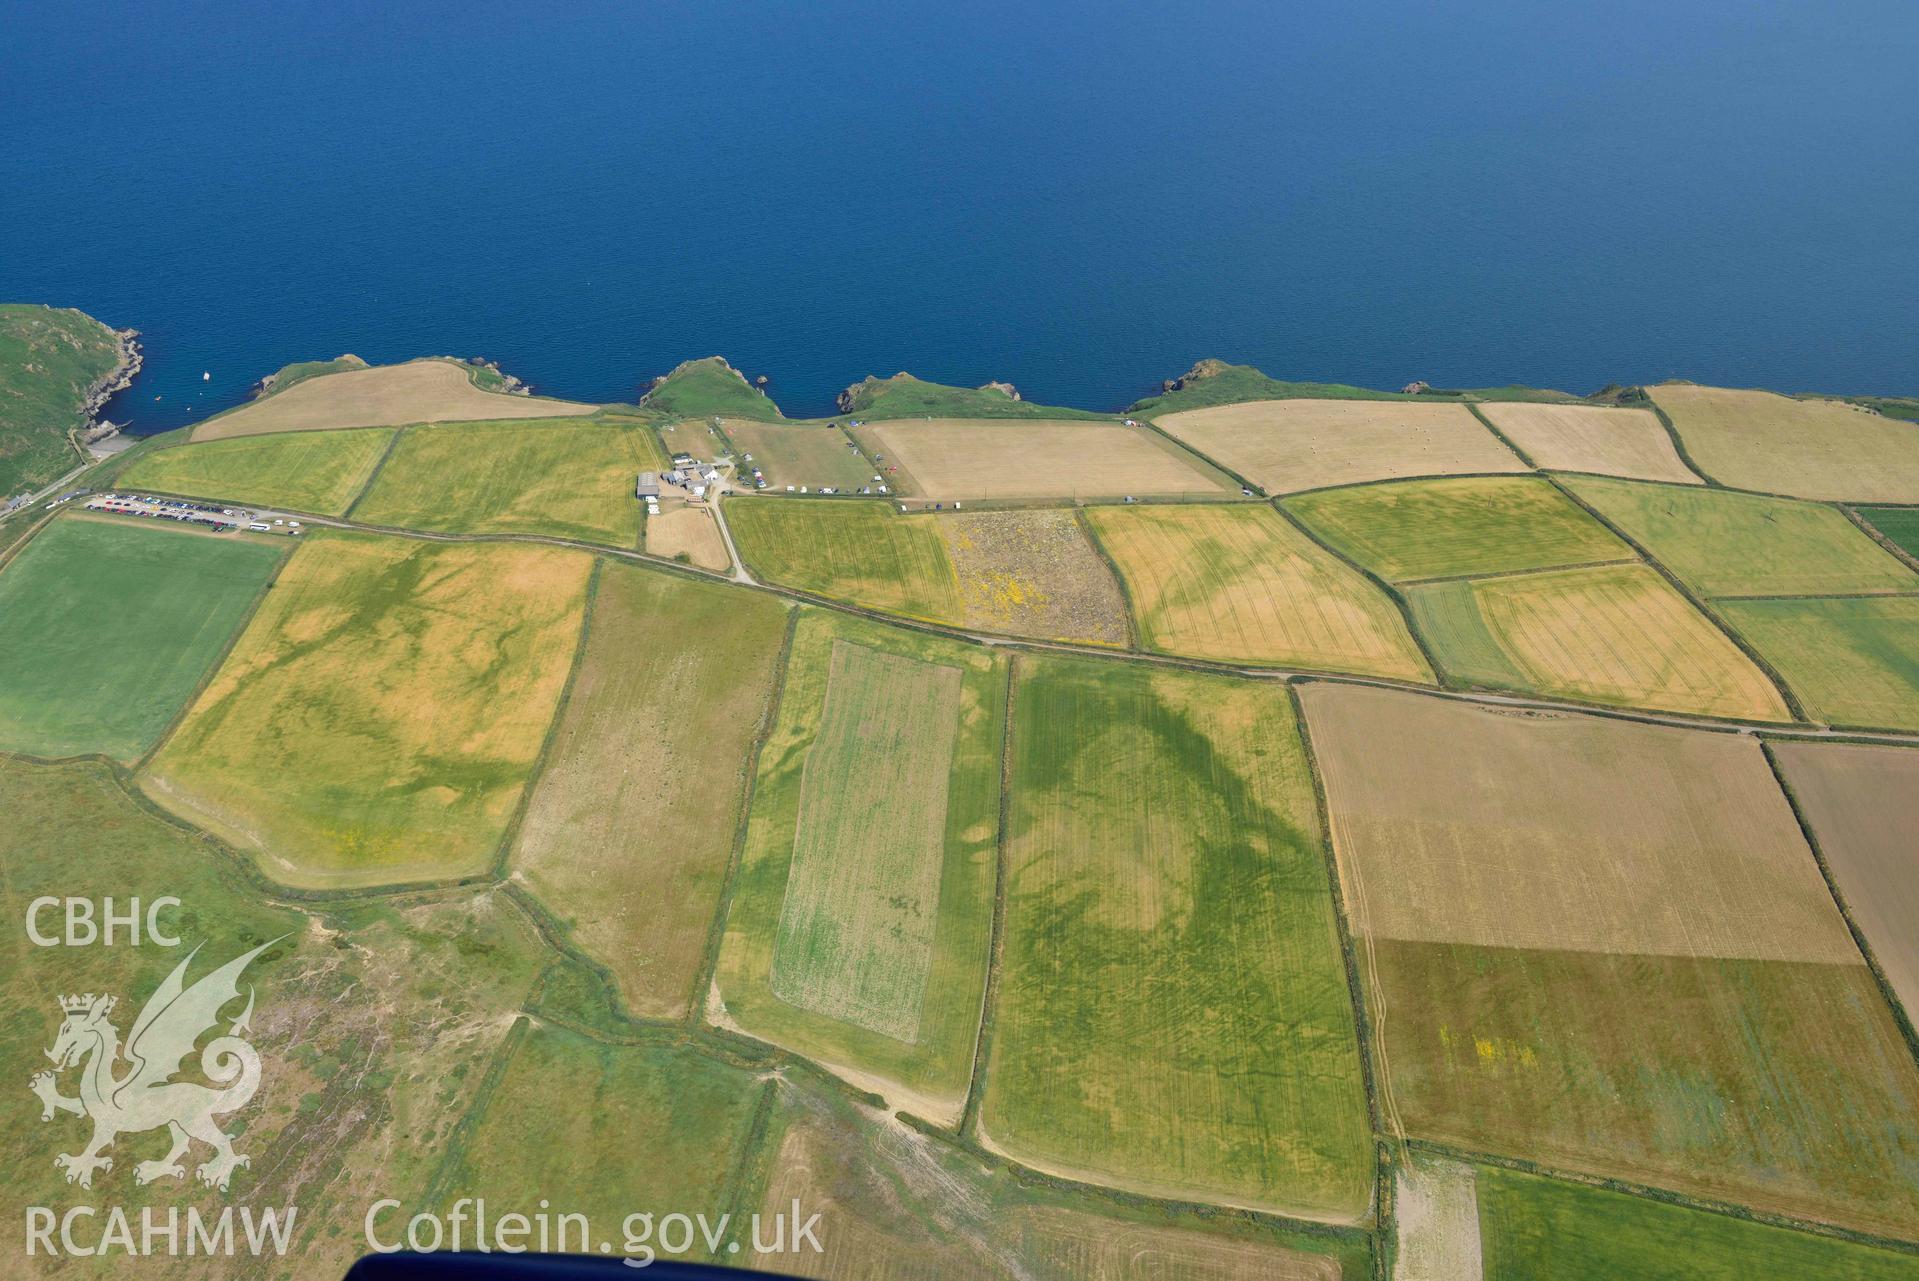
<point>1458,822</point>
<point>1863,805</point>
<point>377,721</point>
<point>1621,634</point>
<point>1288,445</point>
<point>1612,442</point>
<point>1240,584</point>
<point>420,391</point>
<point>954,458</point>
<point>684,530</point>
<point>1806,448</point>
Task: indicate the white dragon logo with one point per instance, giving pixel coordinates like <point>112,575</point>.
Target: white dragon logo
<point>145,1097</point>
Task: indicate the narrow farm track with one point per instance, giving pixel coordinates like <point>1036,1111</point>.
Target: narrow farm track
<point>741,577</point>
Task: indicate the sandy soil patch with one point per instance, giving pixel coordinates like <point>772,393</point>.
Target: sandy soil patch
<point>1033,573</point>
<point>1807,448</point>
<point>1436,1212</point>
<point>955,458</point>
<point>1462,823</point>
<point>1612,442</point>
<point>1863,805</point>
<point>682,529</point>
<point>1288,445</point>
<point>420,391</point>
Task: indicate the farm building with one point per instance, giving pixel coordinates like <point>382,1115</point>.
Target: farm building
<point>649,485</point>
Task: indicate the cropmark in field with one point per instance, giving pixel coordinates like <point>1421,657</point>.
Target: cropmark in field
<point>1605,946</point>
<point>107,626</point>
<point>1850,660</point>
<point>860,920</point>
<point>303,472</point>
<point>1240,584</point>
<point>1614,634</point>
<point>569,480</point>
<point>1457,528</point>
<point>1728,544</point>
<point>631,825</point>
<point>1172,1014</point>
<point>378,720</point>
<point>1285,446</point>
<point>852,550</point>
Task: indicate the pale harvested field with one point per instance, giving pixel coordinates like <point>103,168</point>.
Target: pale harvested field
<point>1462,823</point>
<point>1807,448</point>
<point>1621,634</point>
<point>958,458</point>
<point>1611,442</point>
<point>1863,805</point>
<point>1436,1214</point>
<point>420,391</point>
<point>630,828</point>
<point>1239,583</point>
<point>855,937</point>
<point>681,529</point>
<point>1033,573</point>
<point>1288,445</point>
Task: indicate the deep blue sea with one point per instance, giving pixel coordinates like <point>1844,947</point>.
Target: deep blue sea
<point>1081,198</point>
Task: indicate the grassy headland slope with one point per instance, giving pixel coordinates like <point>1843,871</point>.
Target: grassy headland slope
<point>52,362</point>
<point>904,396</point>
<point>708,388</point>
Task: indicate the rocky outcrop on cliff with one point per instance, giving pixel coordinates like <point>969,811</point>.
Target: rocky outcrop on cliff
<point>117,380</point>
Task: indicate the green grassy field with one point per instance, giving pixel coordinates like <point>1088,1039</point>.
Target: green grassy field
<point>1851,661</point>
<point>1900,524</point>
<point>372,1049</point>
<point>1448,617</point>
<point>108,625</point>
<point>858,551</point>
<point>378,720</point>
<point>1240,583</point>
<point>1457,527</point>
<point>630,828</point>
<point>794,455</point>
<point>1728,544</point>
<point>800,897</point>
<point>561,1127</point>
<point>568,479</point>
<point>1172,1012</point>
<point>1533,1228</point>
<point>49,359</point>
<point>708,387</point>
<point>300,471</point>
<point>855,937</point>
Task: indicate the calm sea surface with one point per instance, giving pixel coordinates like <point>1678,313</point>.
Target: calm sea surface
<point>1080,198</point>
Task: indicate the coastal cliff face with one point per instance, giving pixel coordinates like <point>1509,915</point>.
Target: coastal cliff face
<point>58,369</point>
